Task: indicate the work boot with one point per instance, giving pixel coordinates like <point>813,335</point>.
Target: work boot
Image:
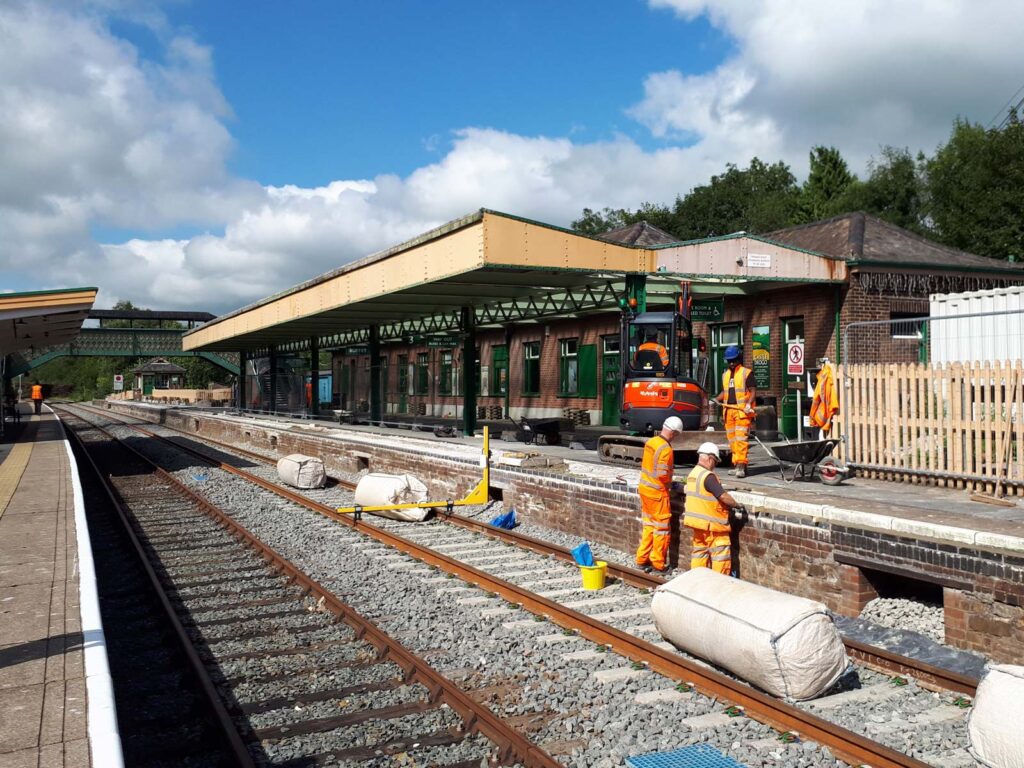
<point>663,571</point>
<point>645,568</point>
<point>741,470</point>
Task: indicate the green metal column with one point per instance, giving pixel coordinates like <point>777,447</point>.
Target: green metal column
<point>243,389</point>
<point>636,288</point>
<point>314,375</point>
<point>273,380</point>
<point>375,404</point>
<point>468,324</point>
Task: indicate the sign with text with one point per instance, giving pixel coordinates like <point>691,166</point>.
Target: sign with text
<point>795,358</point>
<point>762,356</point>
<point>118,382</point>
<point>708,311</point>
<point>443,342</point>
<point>759,260</point>
<point>357,351</point>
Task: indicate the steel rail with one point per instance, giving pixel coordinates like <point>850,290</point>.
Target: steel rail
<point>477,718</point>
<point>852,747</point>
<point>879,658</point>
<point>223,719</point>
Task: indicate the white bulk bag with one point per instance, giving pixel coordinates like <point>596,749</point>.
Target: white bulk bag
<point>994,729</point>
<point>302,471</point>
<point>377,490</point>
<point>785,645</point>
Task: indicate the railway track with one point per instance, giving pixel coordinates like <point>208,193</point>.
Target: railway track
<point>855,748</point>
<point>291,674</point>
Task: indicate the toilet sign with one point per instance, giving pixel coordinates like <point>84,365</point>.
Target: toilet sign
<point>795,358</point>
<point>118,382</point>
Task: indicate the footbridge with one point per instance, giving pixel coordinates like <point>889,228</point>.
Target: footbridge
<point>126,333</point>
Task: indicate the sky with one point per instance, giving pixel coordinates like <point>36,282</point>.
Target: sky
<point>203,154</point>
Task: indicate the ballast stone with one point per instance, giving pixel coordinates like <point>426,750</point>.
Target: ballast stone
<point>379,490</point>
<point>301,471</point>
<point>785,645</point>
<point>994,731</point>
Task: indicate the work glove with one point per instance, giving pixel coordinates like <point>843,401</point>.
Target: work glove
<point>677,487</point>
<point>748,410</point>
<point>739,513</point>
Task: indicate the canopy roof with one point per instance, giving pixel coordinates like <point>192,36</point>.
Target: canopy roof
<point>501,268</point>
<point>42,318</point>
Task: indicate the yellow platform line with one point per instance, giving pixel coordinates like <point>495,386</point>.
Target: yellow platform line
<point>11,471</point>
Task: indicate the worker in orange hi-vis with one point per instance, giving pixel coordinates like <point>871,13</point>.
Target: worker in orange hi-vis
<point>707,512</point>
<point>738,396</point>
<point>655,509</point>
<point>825,404</point>
<point>37,397</point>
<point>652,345</point>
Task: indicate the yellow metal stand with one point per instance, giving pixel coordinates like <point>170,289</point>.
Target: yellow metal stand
<point>479,495</point>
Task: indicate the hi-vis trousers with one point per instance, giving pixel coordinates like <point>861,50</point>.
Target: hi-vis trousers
<point>737,427</point>
<point>654,541</point>
<point>712,549</point>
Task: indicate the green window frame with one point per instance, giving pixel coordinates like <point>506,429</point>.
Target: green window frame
<point>499,364</point>
<point>531,368</point>
<point>444,385</point>
<point>588,370</point>
<point>423,373</point>
<point>568,366</point>
<point>402,380</point>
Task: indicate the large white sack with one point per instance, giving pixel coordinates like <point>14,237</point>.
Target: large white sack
<point>376,490</point>
<point>783,644</point>
<point>995,729</point>
<point>302,471</point>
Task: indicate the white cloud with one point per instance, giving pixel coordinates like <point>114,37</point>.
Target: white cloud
<point>92,135</point>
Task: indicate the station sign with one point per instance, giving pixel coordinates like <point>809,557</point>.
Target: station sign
<point>712,311</point>
<point>118,382</point>
<point>795,358</point>
<point>357,351</point>
<point>443,342</point>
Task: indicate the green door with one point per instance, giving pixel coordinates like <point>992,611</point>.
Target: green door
<point>611,384</point>
<point>147,385</point>
<point>403,383</point>
<point>499,384</point>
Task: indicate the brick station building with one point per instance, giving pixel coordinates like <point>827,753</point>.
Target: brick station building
<point>804,283</point>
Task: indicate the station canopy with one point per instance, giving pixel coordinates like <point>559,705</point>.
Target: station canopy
<point>42,318</point>
<point>503,269</point>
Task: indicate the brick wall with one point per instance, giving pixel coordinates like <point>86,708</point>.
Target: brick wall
<point>836,564</point>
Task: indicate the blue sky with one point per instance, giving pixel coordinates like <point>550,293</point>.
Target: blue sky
<point>202,154</point>
<point>354,89</point>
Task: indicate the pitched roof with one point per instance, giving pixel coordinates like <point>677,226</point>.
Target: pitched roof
<point>860,237</point>
<point>159,365</point>
<point>641,233</point>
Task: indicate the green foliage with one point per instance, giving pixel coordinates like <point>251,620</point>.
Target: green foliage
<point>597,223</point>
<point>976,189</point>
<point>894,190</point>
<point>821,195</point>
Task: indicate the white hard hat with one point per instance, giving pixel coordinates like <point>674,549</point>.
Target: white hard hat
<point>674,423</point>
<point>710,449</point>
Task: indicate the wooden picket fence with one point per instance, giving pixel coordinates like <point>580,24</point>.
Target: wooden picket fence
<point>957,425</point>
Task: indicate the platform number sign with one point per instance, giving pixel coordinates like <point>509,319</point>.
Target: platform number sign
<point>118,382</point>
<point>795,358</point>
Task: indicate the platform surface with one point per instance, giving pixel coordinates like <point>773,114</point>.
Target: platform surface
<point>43,712</point>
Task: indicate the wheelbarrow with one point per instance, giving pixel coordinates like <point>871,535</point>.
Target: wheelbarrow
<point>807,457</point>
<point>539,430</point>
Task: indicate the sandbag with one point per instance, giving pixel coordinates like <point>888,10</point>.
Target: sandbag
<point>302,471</point>
<point>994,730</point>
<point>785,645</point>
<point>377,489</point>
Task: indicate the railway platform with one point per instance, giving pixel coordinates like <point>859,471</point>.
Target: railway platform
<point>56,708</point>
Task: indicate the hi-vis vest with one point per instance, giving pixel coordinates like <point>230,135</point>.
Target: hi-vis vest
<point>739,377</point>
<point>655,347</point>
<point>656,468</point>
<point>37,392</point>
<point>703,511</point>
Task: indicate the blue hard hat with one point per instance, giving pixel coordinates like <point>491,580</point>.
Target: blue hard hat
<point>732,352</point>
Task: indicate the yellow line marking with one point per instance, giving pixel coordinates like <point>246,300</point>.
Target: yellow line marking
<point>11,471</point>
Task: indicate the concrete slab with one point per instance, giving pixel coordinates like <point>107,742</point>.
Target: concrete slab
<point>618,675</point>
<point>710,720</point>
<point>21,710</point>
<point>664,696</point>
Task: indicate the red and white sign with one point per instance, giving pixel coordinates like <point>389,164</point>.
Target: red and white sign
<point>118,382</point>
<point>795,358</point>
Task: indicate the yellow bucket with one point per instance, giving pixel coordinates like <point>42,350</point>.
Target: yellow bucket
<point>593,575</point>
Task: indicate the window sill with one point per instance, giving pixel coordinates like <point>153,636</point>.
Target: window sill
<point>575,396</point>
<point>529,394</point>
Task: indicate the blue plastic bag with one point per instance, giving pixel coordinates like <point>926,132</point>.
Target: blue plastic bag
<point>582,554</point>
<point>506,520</point>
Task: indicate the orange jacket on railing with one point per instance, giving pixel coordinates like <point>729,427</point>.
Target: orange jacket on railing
<point>825,404</point>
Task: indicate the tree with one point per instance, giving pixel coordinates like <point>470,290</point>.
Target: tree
<point>595,223</point>
<point>827,182</point>
<point>894,190</point>
<point>758,198</point>
<point>975,186</point>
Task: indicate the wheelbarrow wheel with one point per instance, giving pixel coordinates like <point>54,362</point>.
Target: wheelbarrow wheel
<point>828,469</point>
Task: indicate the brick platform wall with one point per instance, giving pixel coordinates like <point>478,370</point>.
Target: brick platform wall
<point>842,566</point>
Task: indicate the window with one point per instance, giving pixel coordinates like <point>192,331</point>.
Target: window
<point>907,325</point>
<point>423,373</point>
<point>531,368</point>
<point>499,361</point>
<point>722,337</point>
<point>568,367</point>
<point>403,375</point>
<point>444,386</point>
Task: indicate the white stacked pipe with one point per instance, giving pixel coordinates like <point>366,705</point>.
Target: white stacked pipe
<point>995,727</point>
<point>380,490</point>
<point>785,645</point>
